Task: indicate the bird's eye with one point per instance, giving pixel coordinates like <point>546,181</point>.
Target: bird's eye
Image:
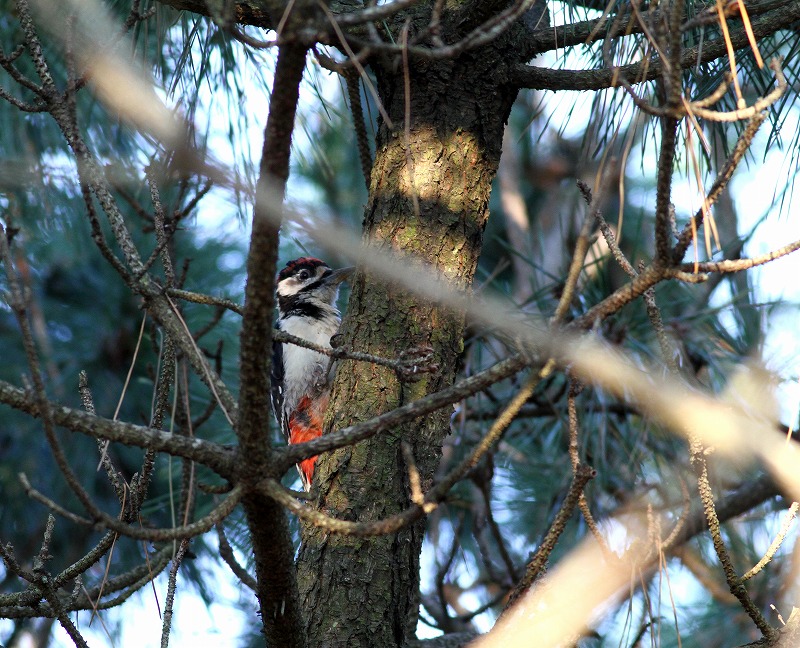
<point>303,275</point>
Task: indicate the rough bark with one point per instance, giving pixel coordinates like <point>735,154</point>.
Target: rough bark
<point>359,592</point>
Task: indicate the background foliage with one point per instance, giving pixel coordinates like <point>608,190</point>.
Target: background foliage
<point>478,543</point>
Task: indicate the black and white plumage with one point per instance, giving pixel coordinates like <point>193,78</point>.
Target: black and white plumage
<point>307,291</point>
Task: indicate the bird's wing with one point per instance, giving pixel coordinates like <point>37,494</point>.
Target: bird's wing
<point>276,388</point>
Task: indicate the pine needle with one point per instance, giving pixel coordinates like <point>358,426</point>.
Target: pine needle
<point>750,35</point>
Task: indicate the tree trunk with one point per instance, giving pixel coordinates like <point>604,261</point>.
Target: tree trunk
<point>358,592</point>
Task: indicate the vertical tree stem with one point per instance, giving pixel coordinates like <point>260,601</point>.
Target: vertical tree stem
<point>272,543</point>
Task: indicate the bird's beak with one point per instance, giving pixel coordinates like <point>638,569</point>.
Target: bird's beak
<point>338,276</point>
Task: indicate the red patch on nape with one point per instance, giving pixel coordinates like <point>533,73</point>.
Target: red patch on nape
<point>312,263</point>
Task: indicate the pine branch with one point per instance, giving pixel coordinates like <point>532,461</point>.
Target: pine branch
<point>530,76</point>
<point>219,458</point>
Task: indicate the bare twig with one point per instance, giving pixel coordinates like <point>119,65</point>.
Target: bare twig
<point>720,182</point>
<point>425,405</point>
<point>162,236</point>
<point>216,456</point>
<point>200,298</point>
<point>537,563</point>
<point>88,404</point>
<point>739,265</point>
<point>18,303</point>
<point>226,553</point>
<point>775,544</point>
<point>607,232</point>
<point>166,625</point>
<point>103,520</point>
<point>582,245</point>
<point>773,18</point>
<point>396,522</point>
<point>734,582</point>
<point>583,504</point>
<point>374,13</point>
<point>356,60</point>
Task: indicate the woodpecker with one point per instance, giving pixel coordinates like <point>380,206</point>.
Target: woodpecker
<point>301,378</point>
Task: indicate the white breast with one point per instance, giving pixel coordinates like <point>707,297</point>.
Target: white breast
<point>306,371</point>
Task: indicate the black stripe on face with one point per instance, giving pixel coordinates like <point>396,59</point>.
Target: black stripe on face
<point>296,305</point>
<point>316,284</point>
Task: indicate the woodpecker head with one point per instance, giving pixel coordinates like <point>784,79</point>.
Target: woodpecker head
<point>307,287</point>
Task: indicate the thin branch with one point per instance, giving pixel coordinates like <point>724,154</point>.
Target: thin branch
<point>528,76</point>
<point>28,604</point>
<point>356,60</point>
<point>212,323</point>
<point>200,298</point>
<point>682,518</point>
<point>60,613</point>
<point>92,177</point>
<point>166,626</point>
<point>495,531</point>
<point>668,352</point>
<point>297,452</point>
<point>286,498</point>
<point>724,175</point>
<point>481,35</point>
<point>582,245</point>
<point>194,201</point>
<point>162,237</point>
<point>410,363</point>
<point>22,105</point>
<point>775,544</point>
<point>734,582</point>
<point>164,384</point>
<point>105,521</point>
<point>34,494</point>
<point>608,234</point>
<point>404,364</point>
<point>739,265</point>
<point>671,75</point>
<point>444,618</point>
<point>574,429</point>
<point>91,558</point>
<point>114,476</point>
<point>356,109</point>
<point>216,456</point>
<point>44,582</point>
<point>374,13</point>
<point>48,88</point>
<point>620,297</point>
<point>747,112</point>
<point>226,553</point>
<point>537,563</point>
<point>394,523</point>
<point>97,232</point>
<point>7,63</point>
<point>130,581</point>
